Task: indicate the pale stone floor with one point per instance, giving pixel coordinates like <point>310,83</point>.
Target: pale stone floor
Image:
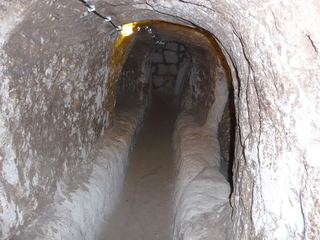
<point>144,210</point>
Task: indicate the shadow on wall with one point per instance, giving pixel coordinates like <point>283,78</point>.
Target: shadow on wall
<point>226,136</point>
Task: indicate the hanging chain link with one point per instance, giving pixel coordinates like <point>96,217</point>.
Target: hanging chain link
<point>92,8</point>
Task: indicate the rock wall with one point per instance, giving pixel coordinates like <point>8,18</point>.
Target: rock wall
<point>275,79</point>
<point>133,82</point>
<point>80,212</point>
<point>201,191</point>
<point>272,48</point>
<point>53,91</point>
<point>51,50</point>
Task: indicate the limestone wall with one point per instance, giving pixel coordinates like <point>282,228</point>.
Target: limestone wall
<point>51,50</point>
<point>201,192</point>
<point>53,91</point>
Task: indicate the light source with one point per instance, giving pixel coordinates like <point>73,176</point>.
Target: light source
<point>127,29</point>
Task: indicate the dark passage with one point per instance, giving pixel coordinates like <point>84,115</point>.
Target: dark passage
<point>144,210</point>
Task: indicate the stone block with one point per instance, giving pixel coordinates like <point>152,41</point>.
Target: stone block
<point>172,46</point>
<point>157,81</point>
<point>157,58</point>
<point>170,57</point>
<point>153,69</point>
<point>173,69</point>
<point>162,69</point>
<point>182,48</point>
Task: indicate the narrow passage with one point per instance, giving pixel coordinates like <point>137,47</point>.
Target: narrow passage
<point>145,207</point>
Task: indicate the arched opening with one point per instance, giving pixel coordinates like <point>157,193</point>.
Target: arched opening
<point>164,74</point>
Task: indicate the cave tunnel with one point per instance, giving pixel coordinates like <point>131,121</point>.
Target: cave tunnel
<point>171,76</point>
<point>242,78</point>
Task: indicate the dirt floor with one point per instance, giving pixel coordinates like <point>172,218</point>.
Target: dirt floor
<point>144,210</point>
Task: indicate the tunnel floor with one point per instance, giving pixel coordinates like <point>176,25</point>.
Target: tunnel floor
<point>145,206</point>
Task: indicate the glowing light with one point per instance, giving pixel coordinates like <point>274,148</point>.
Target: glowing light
<point>127,29</point>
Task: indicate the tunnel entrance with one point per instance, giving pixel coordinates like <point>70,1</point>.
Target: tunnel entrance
<point>180,64</point>
<point>64,144</point>
<point>172,76</point>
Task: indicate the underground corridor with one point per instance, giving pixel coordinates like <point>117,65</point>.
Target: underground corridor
<point>157,119</point>
<point>164,76</point>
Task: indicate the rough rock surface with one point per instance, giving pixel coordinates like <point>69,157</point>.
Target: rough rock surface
<point>78,214</point>
<point>133,78</point>
<point>272,48</point>
<point>53,92</point>
<point>201,191</point>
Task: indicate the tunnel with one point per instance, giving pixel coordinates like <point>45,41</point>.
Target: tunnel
<point>77,91</point>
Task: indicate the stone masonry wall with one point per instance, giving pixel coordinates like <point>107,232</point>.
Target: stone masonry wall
<point>170,64</point>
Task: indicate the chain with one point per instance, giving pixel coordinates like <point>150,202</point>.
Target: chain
<point>92,8</point>
<point>149,30</point>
